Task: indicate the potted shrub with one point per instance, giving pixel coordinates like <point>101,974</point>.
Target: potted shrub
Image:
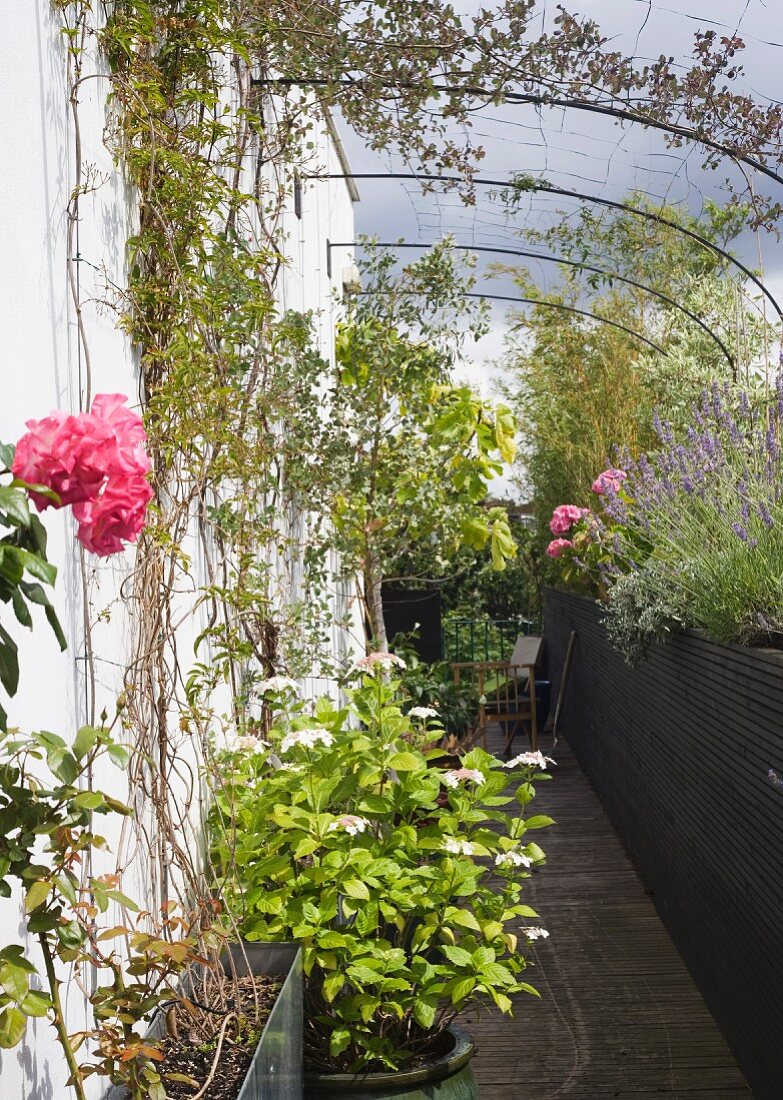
<point>244,1059</point>
<point>333,835</point>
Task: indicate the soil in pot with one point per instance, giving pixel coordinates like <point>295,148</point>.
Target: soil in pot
<point>193,1055</point>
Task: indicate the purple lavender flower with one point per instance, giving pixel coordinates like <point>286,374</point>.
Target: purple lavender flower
<point>740,531</point>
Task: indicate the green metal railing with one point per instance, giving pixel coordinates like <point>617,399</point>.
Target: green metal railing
<point>482,639</point>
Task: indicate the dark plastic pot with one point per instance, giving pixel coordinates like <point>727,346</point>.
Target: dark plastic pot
<point>275,1072</point>
<point>449,1077</point>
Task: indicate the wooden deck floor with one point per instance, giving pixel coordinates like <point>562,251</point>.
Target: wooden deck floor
<point>619,1014</point>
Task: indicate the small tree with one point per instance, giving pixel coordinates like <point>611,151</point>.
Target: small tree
<point>413,452</point>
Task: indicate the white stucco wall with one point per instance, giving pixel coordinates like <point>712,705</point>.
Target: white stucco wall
<point>43,367</point>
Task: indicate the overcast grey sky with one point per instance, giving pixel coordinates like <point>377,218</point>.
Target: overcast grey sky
<point>577,151</point>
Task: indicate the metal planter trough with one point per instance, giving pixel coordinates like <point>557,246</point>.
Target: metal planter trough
<point>275,1072</point>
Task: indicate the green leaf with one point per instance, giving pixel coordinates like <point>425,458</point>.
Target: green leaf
<point>424,1014</point>
<point>14,504</point>
<point>21,610</point>
<point>14,954</point>
<point>38,568</point>
<point>117,806</point>
<point>355,888</point>
<point>118,755</point>
<point>333,983</point>
<point>339,1041</point>
<point>464,918</point>
<point>37,895</point>
<point>13,1024</point>
<point>84,741</point>
<point>540,821</point>
<point>495,974</point>
<point>35,1003</point>
<point>54,623</point>
<point>462,989</point>
<point>123,899</point>
<point>505,430</point>
<point>483,956</point>
<point>306,846</point>
<point>9,662</point>
<point>14,980</point>
<point>406,762</point>
<point>63,765</point>
<point>89,800</point>
<point>458,955</point>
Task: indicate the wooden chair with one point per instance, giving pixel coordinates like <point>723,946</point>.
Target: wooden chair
<point>506,691</point>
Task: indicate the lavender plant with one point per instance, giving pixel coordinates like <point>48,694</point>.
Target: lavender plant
<point>704,514</point>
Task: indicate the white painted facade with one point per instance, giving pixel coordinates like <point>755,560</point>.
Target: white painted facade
<point>43,367</point>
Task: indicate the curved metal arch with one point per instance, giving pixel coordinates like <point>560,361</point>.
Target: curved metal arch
<point>572,309</point>
<point>548,188</point>
<point>560,306</point>
<point>559,260</point>
<point>543,100</point>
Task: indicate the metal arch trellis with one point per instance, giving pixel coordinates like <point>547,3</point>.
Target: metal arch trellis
<point>571,309</point>
<point>537,186</point>
<point>520,301</point>
<point>524,253</point>
<point>502,95</point>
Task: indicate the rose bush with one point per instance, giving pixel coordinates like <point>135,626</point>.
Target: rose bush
<point>401,880</point>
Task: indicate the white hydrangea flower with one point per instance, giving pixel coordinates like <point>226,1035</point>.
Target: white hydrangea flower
<point>309,738</point>
<point>380,660</point>
<point>458,847</point>
<point>422,712</point>
<point>277,684</point>
<point>535,933</point>
<point>462,775</point>
<point>530,759</point>
<point>248,743</point>
<point>351,823</point>
<point>514,859</point>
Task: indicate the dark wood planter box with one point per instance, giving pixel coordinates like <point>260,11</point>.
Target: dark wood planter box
<point>276,1070</point>
<point>679,751</point>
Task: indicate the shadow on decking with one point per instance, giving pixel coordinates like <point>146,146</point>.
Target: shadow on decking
<point>619,1014</point>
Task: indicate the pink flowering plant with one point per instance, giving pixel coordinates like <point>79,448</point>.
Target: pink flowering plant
<point>402,880</point>
<point>95,463</point>
<point>587,539</point>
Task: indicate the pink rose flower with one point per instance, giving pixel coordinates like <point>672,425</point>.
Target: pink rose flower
<point>128,430</point>
<point>96,462</point>
<point>115,516</point>
<point>68,454</point>
<point>564,517</point>
<point>609,481</point>
<point>558,546</point>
